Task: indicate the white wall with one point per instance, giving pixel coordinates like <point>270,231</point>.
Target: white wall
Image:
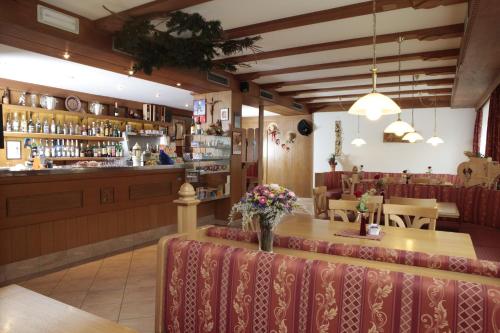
<point>455,127</point>
<point>484,128</point>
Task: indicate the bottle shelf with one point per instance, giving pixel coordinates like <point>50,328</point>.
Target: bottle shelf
<point>83,158</point>
<point>60,136</point>
<point>81,115</point>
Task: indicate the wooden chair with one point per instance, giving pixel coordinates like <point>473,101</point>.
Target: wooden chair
<point>320,202</point>
<point>421,216</point>
<point>341,208</point>
<point>377,201</point>
<point>413,201</point>
<point>346,196</point>
<point>346,184</point>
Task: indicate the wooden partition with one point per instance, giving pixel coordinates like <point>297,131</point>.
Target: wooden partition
<point>291,168</point>
<point>44,213</point>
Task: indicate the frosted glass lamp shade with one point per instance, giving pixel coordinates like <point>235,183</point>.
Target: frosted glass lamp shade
<point>399,128</point>
<point>412,137</point>
<point>373,106</point>
<point>435,140</point>
<point>358,142</point>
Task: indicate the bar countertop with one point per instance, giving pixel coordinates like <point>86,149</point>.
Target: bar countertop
<point>22,176</point>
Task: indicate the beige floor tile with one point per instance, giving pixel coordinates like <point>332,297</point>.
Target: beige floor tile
<point>88,270</point>
<point>137,310</point>
<point>108,284</point>
<point>73,298</point>
<point>122,256</point>
<point>137,281</point>
<point>109,311</point>
<point>112,272</point>
<point>137,295</point>
<point>143,325</point>
<point>104,296</point>
<point>44,288</point>
<point>51,277</point>
<point>67,284</point>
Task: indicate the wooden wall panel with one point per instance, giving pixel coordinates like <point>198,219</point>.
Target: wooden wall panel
<point>293,168</point>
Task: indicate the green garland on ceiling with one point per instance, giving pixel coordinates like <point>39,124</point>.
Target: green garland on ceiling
<point>179,40</point>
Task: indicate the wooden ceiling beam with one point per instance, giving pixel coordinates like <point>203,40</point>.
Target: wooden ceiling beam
<point>426,56</point>
<point>332,14</point>
<point>319,99</point>
<point>448,31</point>
<point>404,103</point>
<point>436,82</point>
<point>427,71</point>
<point>114,22</point>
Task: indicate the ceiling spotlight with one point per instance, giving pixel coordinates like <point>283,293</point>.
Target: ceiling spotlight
<point>131,71</point>
<point>178,84</point>
<point>66,55</point>
<point>187,105</point>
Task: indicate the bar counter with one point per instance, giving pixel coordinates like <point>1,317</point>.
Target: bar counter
<point>46,216</point>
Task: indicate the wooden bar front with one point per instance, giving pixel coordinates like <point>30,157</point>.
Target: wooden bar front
<point>55,210</point>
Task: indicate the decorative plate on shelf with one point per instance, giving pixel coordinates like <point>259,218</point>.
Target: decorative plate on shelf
<point>73,104</point>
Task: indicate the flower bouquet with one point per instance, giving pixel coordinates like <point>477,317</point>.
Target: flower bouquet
<point>262,209</point>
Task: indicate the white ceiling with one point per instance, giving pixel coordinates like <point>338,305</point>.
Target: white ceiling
<point>21,65</point>
<point>93,9</point>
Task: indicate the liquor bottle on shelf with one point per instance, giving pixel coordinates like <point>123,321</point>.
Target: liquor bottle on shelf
<point>31,125</point>
<point>193,127</point>
<point>46,126</point>
<point>38,125</point>
<point>58,128</point>
<point>15,123</point>
<point>34,149</point>
<point>47,149</point>
<point>198,126</point>
<point>65,129</point>
<point>24,124</point>
<point>78,129</point>
<point>41,149</point>
<point>84,130</point>
<point>71,129</point>
<point>82,150</point>
<point>105,129</point>
<point>8,124</point>
<point>104,150</point>
<point>76,149</point>
<point>53,151</point>
<point>93,130</point>
<point>53,127</point>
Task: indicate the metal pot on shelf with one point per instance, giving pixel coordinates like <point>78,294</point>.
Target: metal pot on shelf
<point>96,108</point>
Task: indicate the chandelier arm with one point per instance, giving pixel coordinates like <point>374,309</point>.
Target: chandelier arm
<point>400,41</point>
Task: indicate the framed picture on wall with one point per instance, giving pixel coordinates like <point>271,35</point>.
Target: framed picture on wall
<point>237,143</point>
<point>13,150</point>
<point>224,114</point>
<point>179,130</point>
<point>199,107</point>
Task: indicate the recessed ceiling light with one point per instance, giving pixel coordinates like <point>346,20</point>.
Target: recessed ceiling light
<point>187,105</point>
<point>157,95</point>
<point>178,84</point>
<point>66,55</point>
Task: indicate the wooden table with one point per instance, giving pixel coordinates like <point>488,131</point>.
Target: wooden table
<point>24,311</point>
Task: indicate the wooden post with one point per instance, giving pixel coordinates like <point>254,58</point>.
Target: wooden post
<point>186,209</point>
<point>262,132</point>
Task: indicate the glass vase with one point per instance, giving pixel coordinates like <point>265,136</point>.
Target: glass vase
<point>265,234</point>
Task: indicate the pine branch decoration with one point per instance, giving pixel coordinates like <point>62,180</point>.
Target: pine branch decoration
<point>180,40</point>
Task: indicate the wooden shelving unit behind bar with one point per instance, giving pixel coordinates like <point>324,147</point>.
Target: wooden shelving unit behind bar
<point>60,136</point>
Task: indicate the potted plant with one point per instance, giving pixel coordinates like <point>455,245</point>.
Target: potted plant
<point>262,210</point>
<point>332,162</point>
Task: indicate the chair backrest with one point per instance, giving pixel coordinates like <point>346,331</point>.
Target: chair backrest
<point>377,201</point>
<point>413,216</point>
<point>413,201</point>
<point>206,287</point>
<point>342,208</point>
<point>347,196</point>
<point>346,184</point>
<point>319,201</point>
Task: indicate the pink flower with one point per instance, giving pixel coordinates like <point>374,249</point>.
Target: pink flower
<point>271,195</point>
<point>292,194</point>
<point>262,200</point>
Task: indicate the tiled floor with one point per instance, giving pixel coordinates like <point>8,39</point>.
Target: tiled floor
<point>120,288</point>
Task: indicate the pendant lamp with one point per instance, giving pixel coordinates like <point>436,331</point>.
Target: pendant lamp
<point>435,140</point>
<point>399,127</point>
<point>414,136</point>
<point>374,105</point>
<point>358,142</point>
